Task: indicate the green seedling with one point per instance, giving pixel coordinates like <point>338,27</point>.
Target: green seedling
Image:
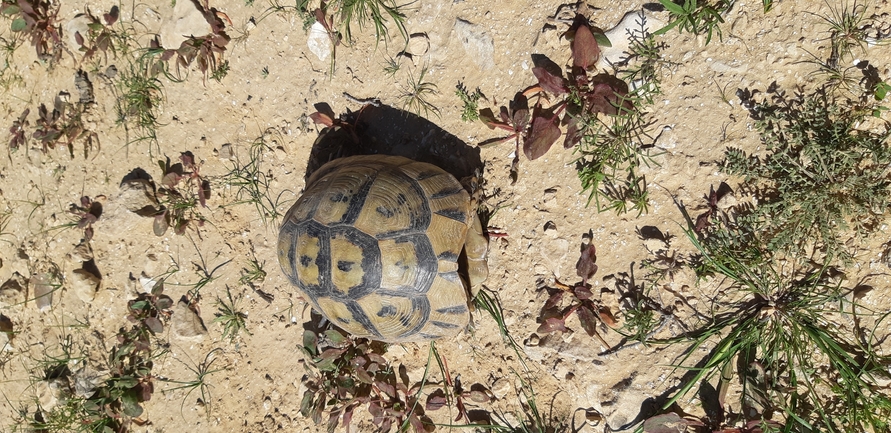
<point>819,175</point>
<point>253,274</point>
<point>470,101</point>
<point>228,314</point>
<point>181,191</point>
<point>535,420</point>
<point>201,371</point>
<point>847,29</point>
<point>698,16</point>
<point>487,300</point>
<point>139,94</point>
<point>415,93</point>
<point>252,183</point>
<point>205,277</point>
<point>565,300</point>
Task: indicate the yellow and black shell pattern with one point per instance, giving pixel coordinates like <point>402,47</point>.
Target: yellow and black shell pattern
<point>374,242</point>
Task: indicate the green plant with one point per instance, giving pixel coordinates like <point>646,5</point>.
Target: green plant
<point>100,36</point>
<point>787,334</point>
<point>230,317</point>
<point>818,176</point>
<point>453,391</point>
<point>415,93</point>
<point>847,29</point>
<point>8,74</point>
<point>139,94</point>
<point>254,273</point>
<point>63,122</point>
<point>252,183</point>
<point>487,300</point>
<point>179,195</point>
<point>535,420</point>
<point>698,16</point>
<point>363,12</point>
<point>470,101</point>
<point>565,300</point>
<point>604,120</point>
<point>205,277</point>
<point>39,20</point>
<point>344,374</point>
<point>201,371</point>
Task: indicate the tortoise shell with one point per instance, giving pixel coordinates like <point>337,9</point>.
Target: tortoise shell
<point>374,243</point>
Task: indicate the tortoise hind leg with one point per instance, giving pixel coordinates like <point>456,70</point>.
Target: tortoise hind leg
<point>476,247</point>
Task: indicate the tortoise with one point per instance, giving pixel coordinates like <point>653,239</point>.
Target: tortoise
<point>374,245</point>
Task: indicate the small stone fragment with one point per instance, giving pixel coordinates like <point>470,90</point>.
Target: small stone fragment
<point>41,286</point>
<point>79,24</point>
<point>183,21</point>
<point>81,253</point>
<point>84,284</point>
<point>186,323</point>
<point>477,43</point>
<point>226,151</point>
<point>501,388</point>
<point>318,41</point>
<point>12,291</point>
<point>418,44</point>
<point>6,333</point>
<point>136,195</point>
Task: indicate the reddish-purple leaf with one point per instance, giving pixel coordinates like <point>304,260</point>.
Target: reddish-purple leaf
<point>377,358</point>
<point>586,266</point>
<point>606,316</point>
<point>519,109</point>
<point>386,388</point>
<point>204,193</point>
<point>170,180</point>
<point>582,292</point>
<point>554,300</point>
<point>112,16</point>
<point>321,119</point>
<point>348,417</point>
<point>585,50</point>
<point>573,133</point>
<point>154,325</point>
<point>436,400</point>
<point>188,159</point>
<point>542,136</point>
<point>416,423</point>
<point>493,141</point>
<point>79,39</point>
<point>88,234</point>
<point>587,319</point>
<point>551,325</point>
<point>607,95</point>
<point>550,82</point>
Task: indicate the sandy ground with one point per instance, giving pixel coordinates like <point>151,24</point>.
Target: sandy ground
<point>273,81</point>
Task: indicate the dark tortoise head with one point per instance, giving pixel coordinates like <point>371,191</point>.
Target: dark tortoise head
<point>373,243</point>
